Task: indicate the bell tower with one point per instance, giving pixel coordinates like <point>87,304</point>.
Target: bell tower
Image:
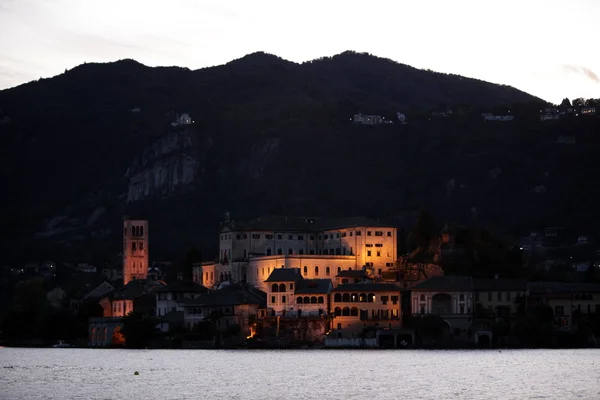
<point>135,250</point>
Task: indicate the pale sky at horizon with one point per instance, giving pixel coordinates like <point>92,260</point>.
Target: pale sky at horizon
<point>548,48</point>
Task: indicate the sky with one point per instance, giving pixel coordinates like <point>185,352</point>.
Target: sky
<point>548,48</point>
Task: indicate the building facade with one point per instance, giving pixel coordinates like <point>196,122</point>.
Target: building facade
<point>320,248</point>
<point>135,250</point>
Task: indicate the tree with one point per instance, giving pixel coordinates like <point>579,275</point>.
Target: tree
<point>423,232</point>
<point>566,103</point>
<point>28,311</point>
<point>138,329</point>
<point>579,102</point>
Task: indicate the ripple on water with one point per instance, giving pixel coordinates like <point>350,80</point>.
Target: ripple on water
<point>345,374</point>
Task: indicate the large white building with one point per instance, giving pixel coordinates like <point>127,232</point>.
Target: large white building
<point>319,248</point>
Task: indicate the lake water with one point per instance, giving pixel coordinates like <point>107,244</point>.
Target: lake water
<point>300,374</point>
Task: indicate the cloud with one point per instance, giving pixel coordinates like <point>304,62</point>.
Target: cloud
<point>582,70</point>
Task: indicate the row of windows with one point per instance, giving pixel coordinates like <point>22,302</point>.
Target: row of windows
<point>136,230</point>
<point>499,297</point>
<point>137,245</point>
<point>301,300</point>
<point>364,314</point>
<point>337,252</point>
<point>269,236</point>
<point>461,297</point>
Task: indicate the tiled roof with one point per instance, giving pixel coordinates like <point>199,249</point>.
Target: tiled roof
<point>501,284</point>
<point>313,286</point>
<point>183,286</point>
<point>302,224</point>
<point>230,296</point>
<point>447,283</point>
<point>370,287</point>
<point>285,275</point>
<point>136,288</point>
<point>358,273</point>
<point>560,287</point>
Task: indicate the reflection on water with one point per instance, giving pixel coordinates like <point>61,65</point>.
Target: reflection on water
<point>320,374</point>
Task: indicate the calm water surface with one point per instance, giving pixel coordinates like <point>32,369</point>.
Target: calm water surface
<point>320,374</point>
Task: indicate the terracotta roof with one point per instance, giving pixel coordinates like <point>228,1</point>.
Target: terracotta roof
<point>447,283</point>
<point>285,275</point>
<point>313,286</point>
<point>370,287</point>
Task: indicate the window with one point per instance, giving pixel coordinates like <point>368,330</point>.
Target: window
<point>327,271</point>
<point>272,299</point>
<point>389,233</point>
<point>290,251</point>
<point>132,246</point>
<point>358,233</point>
<point>559,311</point>
<point>141,245</point>
<point>378,233</point>
<point>268,236</point>
<point>339,269</point>
<point>378,245</point>
<point>499,296</point>
<point>337,297</point>
<point>378,254</point>
<point>489,296</point>
<point>300,237</point>
<point>326,237</point>
<point>368,245</point>
<point>507,296</point>
<point>338,251</point>
<point>274,288</point>
<point>290,237</point>
<point>369,253</point>
<point>343,234</point>
<point>312,237</point>
<point>291,287</point>
<point>301,251</point>
<point>422,308</point>
<point>256,236</point>
<point>279,251</point>
<point>384,299</point>
<point>298,300</point>
<point>337,235</point>
<point>283,299</point>
<point>282,287</point>
<point>268,251</point>
<point>462,308</point>
<point>368,233</point>
<point>316,270</point>
<point>245,236</point>
<point>350,233</point>
<point>305,270</point>
<point>461,297</point>
<point>422,297</point>
<point>279,237</point>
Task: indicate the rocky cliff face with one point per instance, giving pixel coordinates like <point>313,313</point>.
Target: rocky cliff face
<point>168,164</point>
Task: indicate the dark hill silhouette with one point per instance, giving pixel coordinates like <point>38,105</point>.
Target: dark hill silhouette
<point>273,137</point>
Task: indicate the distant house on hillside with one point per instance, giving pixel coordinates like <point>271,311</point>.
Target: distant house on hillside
<point>401,118</point>
<point>491,117</point>
<point>182,119</point>
<point>588,111</point>
<point>368,119</point>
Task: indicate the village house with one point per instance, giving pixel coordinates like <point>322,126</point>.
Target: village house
<point>356,306</point>
<point>232,305</point>
<point>450,297</point>
<point>567,300</point>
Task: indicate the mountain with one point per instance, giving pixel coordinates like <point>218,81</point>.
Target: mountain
<point>272,137</point>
